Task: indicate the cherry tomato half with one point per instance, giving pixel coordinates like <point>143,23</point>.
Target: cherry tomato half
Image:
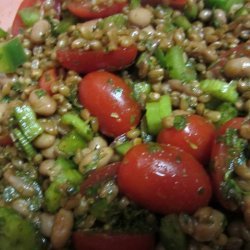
<point>164,179</point>
<point>18,23</point>
<point>100,175</point>
<point>109,98</point>
<point>112,241</point>
<point>196,137</point>
<point>48,78</point>
<point>221,160</point>
<point>84,9</point>
<point>87,61</point>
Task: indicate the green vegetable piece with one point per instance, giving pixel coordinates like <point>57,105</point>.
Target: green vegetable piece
<point>80,126</point>
<point>228,112</point>
<point>222,4</point>
<point>27,122</point>
<point>65,176</point>
<point>134,4</point>
<point>23,143</point>
<point>191,11</point>
<point>12,55</point>
<point>219,89</point>
<point>3,33</point>
<point>53,196</point>
<point>16,232</point>
<point>176,65</point>
<point>117,20</point>
<point>155,112</point>
<point>141,89</point>
<point>242,12</point>
<point>171,235</point>
<point>123,148</point>
<point>182,22</point>
<point>29,16</point>
<point>71,142</point>
<point>160,56</point>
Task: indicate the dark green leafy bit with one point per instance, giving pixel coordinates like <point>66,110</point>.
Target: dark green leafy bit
<point>17,233</point>
<point>171,235</point>
<point>180,122</point>
<point>228,112</point>
<point>3,33</point>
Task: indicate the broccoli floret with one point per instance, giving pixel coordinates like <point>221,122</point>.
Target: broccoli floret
<point>16,233</point>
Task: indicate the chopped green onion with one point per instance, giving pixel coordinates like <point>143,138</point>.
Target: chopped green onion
<point>27,122</point>
<point>221,90</point>
<point>176,65</point>
<point>117,20</point>
<point>12,55</point>
<point>65,175</point>
<point>29,15</point>
<point>134,4</point>
<point>155,112</point>
<point>141,89</point>
<point>182,22</point>
<point>171,235</point>
<point>23,143</point>
<point>78,124</point>
<point>222,4</point>
<point>124,147</point>
<point>71,142</point>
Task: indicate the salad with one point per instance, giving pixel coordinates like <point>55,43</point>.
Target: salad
<point>124,125</point>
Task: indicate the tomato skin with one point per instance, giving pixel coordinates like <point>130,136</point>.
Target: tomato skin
<point>164,179</point>
<point>48,78</point>
<point>112,241</point>
<point>83,9</point>
<point>18,23</point>
<point>99,175</point>
<point>88,61</point>
<point>196,138</point>
<point>109,98</point>
<point>220,164</point>
<point>5,140</point>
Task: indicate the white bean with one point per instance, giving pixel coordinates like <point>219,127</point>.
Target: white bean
<point>140,17</point>
<point>62,227</point>
<point>97,142</point>
<point>42,103</point>
<point>47,222</point>
<point>44,141</point>
<point>18,183</point>
<point>46,167</point>
<point>237,67</point>
<point>39,31</point>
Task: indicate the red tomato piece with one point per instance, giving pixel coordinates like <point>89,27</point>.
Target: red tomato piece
<point>48,78</point>
<point>18,23</point>
<point>5,140</point>
<point>100,175</point>
<point>196,138</point>
<point>112,241</point>
<point>87,61</point>
<point>84,9</point>
<point>164,179</point>
<point>109,98</point>
<point>221,164</point>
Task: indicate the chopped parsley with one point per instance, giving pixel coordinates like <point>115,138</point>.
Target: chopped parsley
<point>180,122</point>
